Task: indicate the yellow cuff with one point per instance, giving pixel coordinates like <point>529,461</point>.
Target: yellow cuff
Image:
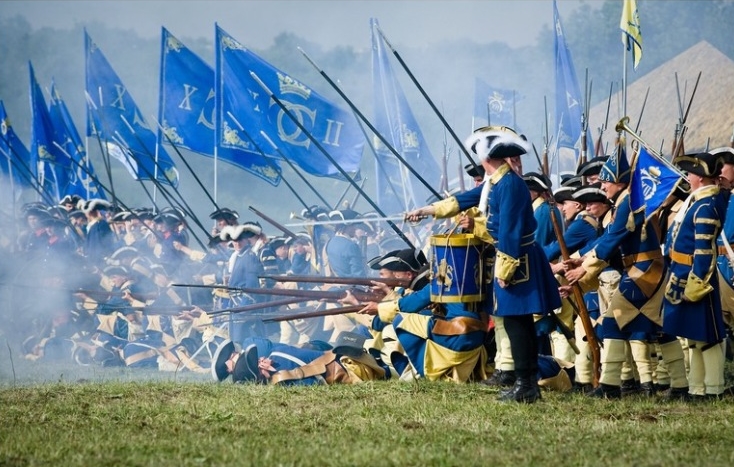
<point>195,255</point>
<point>593,265</point>
<point>387,311</point>
<point>505,266</point>
<point>696,288</point>
<point>480,230</point>
<point>446,208</point>
<point>209,279</point>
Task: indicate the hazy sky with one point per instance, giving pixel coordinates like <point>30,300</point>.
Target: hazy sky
<point>326,22</point>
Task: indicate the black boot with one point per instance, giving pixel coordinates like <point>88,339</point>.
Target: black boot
<point>606,391</point>
<point>525,390</point>
<point>677,394</point>
<point>500,378</point>
<point>629,387</point>
<point>647,389</point>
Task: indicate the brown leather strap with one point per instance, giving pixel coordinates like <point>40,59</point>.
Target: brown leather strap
<point>681,258</point>
<point>721,250</point>
<point>315,368</point>
<point>629,260</point>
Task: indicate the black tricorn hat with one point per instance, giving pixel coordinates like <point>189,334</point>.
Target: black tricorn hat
<point>224,213</point>
<point>590,194</point>
<point>537,182</point>
<point>726,153</point>
<point>219,360</point>
<point>474,170</point>
<point>400,260</point>
<point>703,164</point>
<point>592,166</point>
<point>564,193</point>
<point>246,368</point>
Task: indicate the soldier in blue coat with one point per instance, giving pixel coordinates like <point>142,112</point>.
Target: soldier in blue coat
<point>523,281</point>
<point>633,312</point>
<point>692,308</point>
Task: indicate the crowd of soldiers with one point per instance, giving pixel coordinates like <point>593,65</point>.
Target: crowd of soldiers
<point>127,287</point>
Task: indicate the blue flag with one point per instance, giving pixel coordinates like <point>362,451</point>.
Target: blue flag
<point>652,181</point>
<point>12,149</point>
<point>186,109</point>
<point>49,165</point>
<point>493,105</point>
<point>569,106</point>
<point>238,95</point>
<point>115,118</point>
<point>397,189</point>
<point>66,135</point>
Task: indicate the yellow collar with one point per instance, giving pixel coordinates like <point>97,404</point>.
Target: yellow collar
<point>499,173</point>
<point>538,202</point>
<point>705,192</point>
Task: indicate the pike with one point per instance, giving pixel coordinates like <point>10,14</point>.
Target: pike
<point>544,166</point>
<point>366,281</point>
<point>371,127</point>
<point>315,313</point>
<point>323,151</point>
<point>606,122</point>
<point>428,99</point>
<point>681,127</point>
<point>327,295</point>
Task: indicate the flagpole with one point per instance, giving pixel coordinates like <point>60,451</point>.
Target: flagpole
<point>323,151</point>
<point>371,127</point>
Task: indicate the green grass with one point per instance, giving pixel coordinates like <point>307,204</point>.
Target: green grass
<point>190,421</point>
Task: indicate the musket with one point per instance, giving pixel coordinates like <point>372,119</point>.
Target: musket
<point>642,110</point>
<point>366,281</point>
<point>578,295</point>
<point>585,120</point>
<point>678,143</point>
<point>315,314</point>
<point>326,154</point>
<point>274,223</point>
<point>328,295</point>
<point>257,306</point>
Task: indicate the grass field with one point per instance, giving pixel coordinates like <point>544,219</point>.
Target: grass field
<point>91,416</point>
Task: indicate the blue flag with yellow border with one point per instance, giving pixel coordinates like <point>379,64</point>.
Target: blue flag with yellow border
<point>14,157</point>
<point>48,164</point>
<point>238,95</point>
<point>186,109</point>
<point>652,181</point>
<point>397,189</point>
<point>80,182</point>
<point>569,105</point>
<point>493,105</point>
<point>115,117</point>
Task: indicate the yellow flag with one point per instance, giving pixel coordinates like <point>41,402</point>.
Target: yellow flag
<point>631,34</point>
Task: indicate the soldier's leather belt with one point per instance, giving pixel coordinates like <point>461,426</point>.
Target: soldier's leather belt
<point>681,258</point>
<point>721,250</point>
<point>629,260</point>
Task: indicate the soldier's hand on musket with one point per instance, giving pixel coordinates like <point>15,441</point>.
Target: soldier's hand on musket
<point>369,309</point>
<point>572,263</point>
<point>380,287</point>
<point>558,268</point>
<point>574,275</point>
<point>564,291</point>
<point>349,299</point>
<point>502,283</point>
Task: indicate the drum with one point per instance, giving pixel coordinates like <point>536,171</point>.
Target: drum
<point>457,268</point>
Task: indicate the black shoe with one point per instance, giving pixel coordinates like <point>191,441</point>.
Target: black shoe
<point>499,378</point>
<point>647,389</point>
<point>677,394</point>
<point>606,391</point>
<point>661,388</point>
<point>629,387</point>
<point>582,388</point>
<point>525,390</point>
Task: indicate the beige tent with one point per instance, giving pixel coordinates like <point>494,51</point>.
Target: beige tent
<point>712,110</point>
